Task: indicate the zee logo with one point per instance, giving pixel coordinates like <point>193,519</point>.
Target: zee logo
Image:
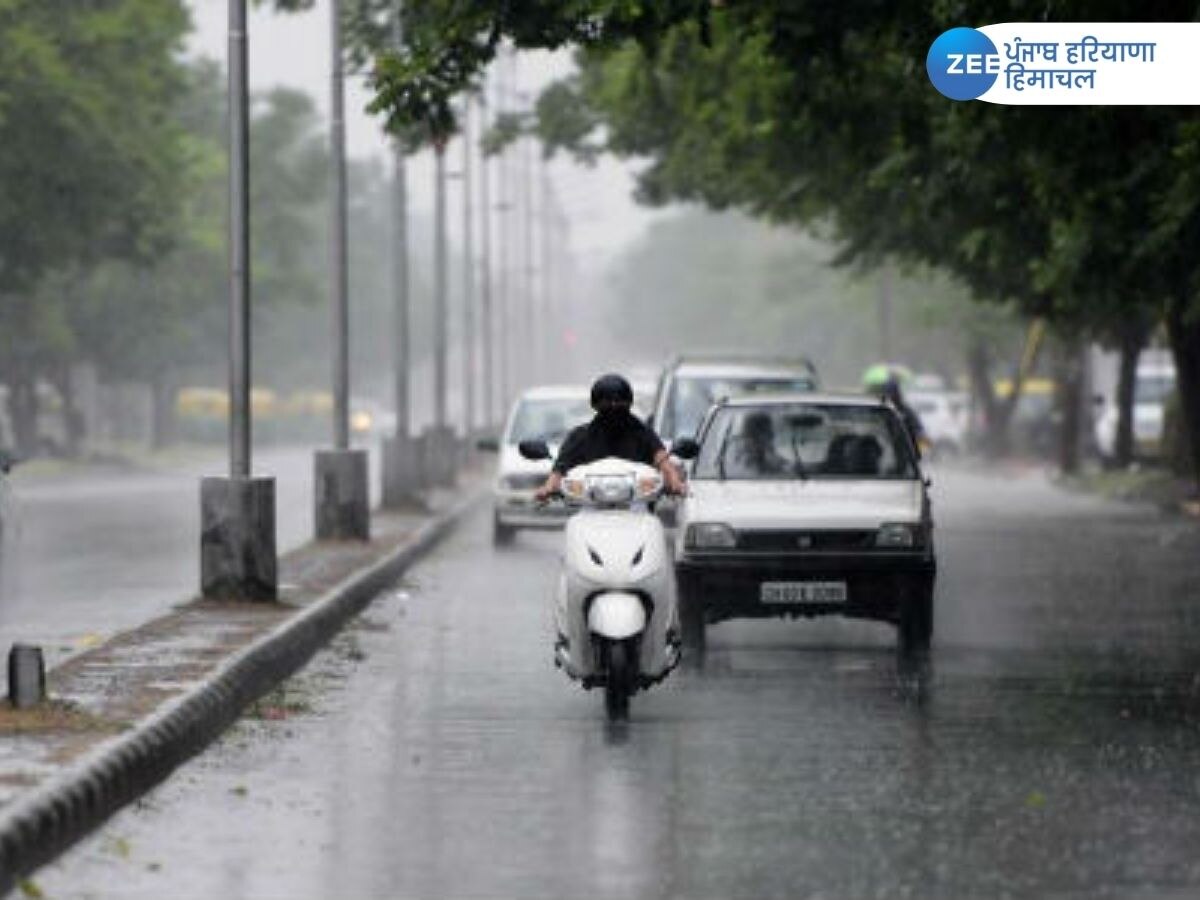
<point>973,64</point>
<point>963,63</point>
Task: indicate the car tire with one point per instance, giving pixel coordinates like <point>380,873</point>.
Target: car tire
<point>915,626</point>
<point>692,628</point>
<point>502,535</point>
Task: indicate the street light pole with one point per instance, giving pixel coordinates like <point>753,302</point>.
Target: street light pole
<point>237,514</point>
<point>487,326</point>
<point>401,459</point>
<point>468,335</point>
<point>341,494</point>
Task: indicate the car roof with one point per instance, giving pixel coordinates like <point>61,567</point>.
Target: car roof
<point>808,398</point>
<point>741,361</point>
<point>557,392</point>
<point>746,369</point>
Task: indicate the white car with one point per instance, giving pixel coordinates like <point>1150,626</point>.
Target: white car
<point>689,385</point>
<point>540,414</point>
<point>805,505</point>
<point>945,416</point>
<point>1153,384</point>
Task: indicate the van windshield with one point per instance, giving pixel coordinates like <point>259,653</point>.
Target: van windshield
<point>784,442</point>
<point>692,396</point>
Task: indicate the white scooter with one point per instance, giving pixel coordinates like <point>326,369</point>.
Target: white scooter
<point>615,610</point>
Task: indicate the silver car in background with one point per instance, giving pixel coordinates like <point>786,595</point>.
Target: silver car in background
<point>539,414</point>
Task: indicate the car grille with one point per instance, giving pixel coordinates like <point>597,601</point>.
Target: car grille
<point>799,541</point>
<point>530,482</point>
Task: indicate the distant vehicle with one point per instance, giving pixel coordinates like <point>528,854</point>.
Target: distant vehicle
<point>945,415</point>
<point>690,385</point>
<point>540,414</point>
<point>805,505</point>
<point>1154,382</point>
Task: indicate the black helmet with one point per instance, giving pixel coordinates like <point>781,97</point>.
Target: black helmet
<point>611,389</point>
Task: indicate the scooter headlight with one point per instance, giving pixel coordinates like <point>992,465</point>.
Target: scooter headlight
<point>611,489</point>
<point>710,536</point>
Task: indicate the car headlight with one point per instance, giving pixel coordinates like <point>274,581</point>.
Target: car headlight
<point>710,535</point>
<point>897,535</point>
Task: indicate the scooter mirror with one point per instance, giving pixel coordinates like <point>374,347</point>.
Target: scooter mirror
<point>686,448</point>
<point>534,450</point>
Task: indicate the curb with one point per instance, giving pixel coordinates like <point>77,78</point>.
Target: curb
<point>39,827</point>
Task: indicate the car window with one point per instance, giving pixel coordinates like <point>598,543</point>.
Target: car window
<point>547,420</point>
<point>1153,388</point>
<point>786,441</point>
<point>689,398</point>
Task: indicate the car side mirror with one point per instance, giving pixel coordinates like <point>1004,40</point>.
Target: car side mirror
<point>488,444</point>
<point>686,448</point>
<point>534,450</point>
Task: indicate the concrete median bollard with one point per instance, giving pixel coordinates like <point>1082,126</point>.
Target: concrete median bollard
<point>342,495</point>
<point>26,676</point>
<point>237,539</point>
<point>440,456</point>
<point>402,481</point>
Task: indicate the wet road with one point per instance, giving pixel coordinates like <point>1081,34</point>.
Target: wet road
<point>434,752</point>
<point>86,555</point>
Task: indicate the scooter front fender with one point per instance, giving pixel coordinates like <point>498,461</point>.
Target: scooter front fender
<point>616,615</point>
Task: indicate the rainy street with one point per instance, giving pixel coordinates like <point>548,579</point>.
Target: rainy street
<point>433,750</point>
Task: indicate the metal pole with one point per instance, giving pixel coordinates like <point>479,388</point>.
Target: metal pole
<point>504,239</point>
<point>338,269</point>
<point>440,317</point>
<point>401,297</point>
<point>487,326</point>
<point>468,336</point>
<point>239,244</point>
<point>530,313</point>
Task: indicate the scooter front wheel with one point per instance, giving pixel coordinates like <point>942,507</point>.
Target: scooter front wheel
<point>619,683</point>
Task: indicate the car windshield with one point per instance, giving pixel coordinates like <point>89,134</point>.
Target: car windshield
<point>782,442</point>
<point>1153,388</point>
<point>692,396</point>
<point>547,420</point>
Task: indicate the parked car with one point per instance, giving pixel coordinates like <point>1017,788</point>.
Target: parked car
<point>689,385</point>
<point>1154,382</point>
<point>539,414</point>
<point>945,416</point>
<point>805,505</point>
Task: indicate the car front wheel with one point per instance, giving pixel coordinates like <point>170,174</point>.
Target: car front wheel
<point>915,627</point>
<point>691,616</point>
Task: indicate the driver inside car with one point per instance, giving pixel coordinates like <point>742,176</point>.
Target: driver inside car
<point>613,431</point>
<point>755,453</point>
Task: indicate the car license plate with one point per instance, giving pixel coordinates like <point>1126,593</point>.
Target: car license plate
<point>803,592</point>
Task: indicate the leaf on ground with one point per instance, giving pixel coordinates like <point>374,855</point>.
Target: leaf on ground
<point>30,889</point>
<point>1035,800</point>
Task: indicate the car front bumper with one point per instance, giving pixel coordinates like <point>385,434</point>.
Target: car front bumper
<point>729,585</point>
<point>518,509</point>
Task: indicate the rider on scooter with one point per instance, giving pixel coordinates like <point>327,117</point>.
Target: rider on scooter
<point>613,431</point>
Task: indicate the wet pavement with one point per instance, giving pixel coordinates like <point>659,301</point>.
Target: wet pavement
<point>433,751</point>
<point>85,555</point>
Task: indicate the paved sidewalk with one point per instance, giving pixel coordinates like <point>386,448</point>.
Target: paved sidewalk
<point>121,716</point>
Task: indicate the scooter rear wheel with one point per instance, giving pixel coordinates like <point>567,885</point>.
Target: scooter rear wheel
<point>619,683</point>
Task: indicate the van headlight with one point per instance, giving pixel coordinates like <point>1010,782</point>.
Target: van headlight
<point>896,535</point>
<point>709,536</point>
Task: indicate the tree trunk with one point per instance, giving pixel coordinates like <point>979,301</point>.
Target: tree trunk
<point>23,411</point>
<point>73,426</point>
<point>1183,331</point>
<point>1132,340</point>
<point>979,367</point>
<point>1070,396</point>
<point>164,431</point>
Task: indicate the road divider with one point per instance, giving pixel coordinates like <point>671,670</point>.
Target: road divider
<point>124,716</point>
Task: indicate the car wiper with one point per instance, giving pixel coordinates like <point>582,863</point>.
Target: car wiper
<point>721,454</point>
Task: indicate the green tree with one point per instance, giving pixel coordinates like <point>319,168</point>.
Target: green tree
<point>90,157</point>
